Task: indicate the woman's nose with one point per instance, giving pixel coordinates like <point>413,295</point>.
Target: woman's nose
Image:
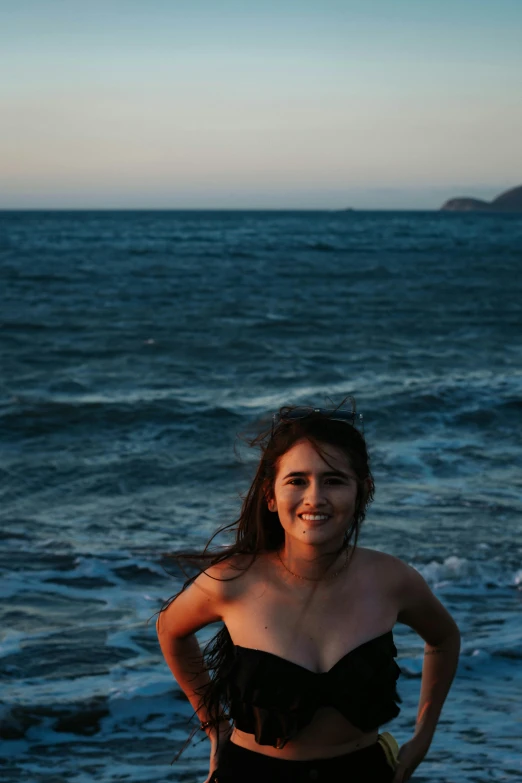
<point>315,494</point>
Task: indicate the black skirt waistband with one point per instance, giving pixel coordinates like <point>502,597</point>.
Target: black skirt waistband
<point>238,765</point>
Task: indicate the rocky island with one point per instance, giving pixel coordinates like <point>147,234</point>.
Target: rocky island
<point>509,201</point>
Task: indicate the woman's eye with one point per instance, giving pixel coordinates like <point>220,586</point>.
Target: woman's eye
<point>333,480</point>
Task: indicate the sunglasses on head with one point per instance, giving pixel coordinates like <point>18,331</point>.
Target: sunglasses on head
<point>351,417</point>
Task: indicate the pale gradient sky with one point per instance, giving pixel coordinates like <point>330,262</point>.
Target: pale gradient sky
<point>377,104</point>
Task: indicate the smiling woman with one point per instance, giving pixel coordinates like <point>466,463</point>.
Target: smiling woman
<point>313,504</point>
<point>304,665</point>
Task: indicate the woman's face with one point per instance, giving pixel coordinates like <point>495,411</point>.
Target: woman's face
<point>315,500</point>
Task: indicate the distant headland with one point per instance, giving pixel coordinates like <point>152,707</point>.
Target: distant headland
<point>509,201</point>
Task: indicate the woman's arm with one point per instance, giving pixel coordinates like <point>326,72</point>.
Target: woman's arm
<point>422,611</point>
<point>197,606</point>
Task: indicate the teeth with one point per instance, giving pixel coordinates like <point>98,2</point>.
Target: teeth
<point>314,517</point>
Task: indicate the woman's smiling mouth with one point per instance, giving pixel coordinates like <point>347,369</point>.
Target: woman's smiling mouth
<point>314,517</point>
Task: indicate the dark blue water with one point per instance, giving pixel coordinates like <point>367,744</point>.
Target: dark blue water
<point>134,348</point>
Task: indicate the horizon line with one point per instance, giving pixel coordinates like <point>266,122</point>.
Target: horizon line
<point>220,209</point>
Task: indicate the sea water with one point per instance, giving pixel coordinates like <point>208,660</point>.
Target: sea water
<point>134,349</point>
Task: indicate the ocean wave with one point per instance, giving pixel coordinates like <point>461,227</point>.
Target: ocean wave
<point>83,719</point>
<point>455,571</point>
<point>37,417</point>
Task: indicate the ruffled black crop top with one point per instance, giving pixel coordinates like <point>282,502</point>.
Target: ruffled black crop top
<point>274,698</point>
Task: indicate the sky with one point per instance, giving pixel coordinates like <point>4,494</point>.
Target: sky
<point>259,104</point>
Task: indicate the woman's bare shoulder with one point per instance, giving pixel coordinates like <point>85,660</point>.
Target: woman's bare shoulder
<point>416,604</point>
<point>375,556</point>
<point>388,566</point>
<point>400,578</point>
<point>229,574</point>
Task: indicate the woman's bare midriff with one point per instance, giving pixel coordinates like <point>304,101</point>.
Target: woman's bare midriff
<point>327,736</point>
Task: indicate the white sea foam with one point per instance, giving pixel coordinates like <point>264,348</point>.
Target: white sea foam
<point>470,574</point>
<point>453,569</point>
<point>517,579</point>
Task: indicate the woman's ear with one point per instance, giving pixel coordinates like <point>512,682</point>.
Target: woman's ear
<point>270,500</point>
<point>368,487</point>
<point>365,491</point>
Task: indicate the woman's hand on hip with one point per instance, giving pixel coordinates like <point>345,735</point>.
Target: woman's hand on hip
<point>215,752</point>
<point>410,756</point>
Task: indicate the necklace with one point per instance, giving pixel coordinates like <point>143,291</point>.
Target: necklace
<point>322,578</point>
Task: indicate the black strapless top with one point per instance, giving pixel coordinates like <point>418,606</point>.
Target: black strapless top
<point>274,698</point>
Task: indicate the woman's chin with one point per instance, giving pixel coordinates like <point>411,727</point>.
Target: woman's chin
<point>320,534</point>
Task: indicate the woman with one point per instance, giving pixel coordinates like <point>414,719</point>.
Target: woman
<point>305,660</point>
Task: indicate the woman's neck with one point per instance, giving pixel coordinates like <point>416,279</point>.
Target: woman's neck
<point>313,563</point>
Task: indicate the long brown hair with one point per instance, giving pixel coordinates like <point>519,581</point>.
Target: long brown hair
<point>258,529</point>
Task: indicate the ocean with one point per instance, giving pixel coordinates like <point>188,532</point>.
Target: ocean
<point>137,346</point>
